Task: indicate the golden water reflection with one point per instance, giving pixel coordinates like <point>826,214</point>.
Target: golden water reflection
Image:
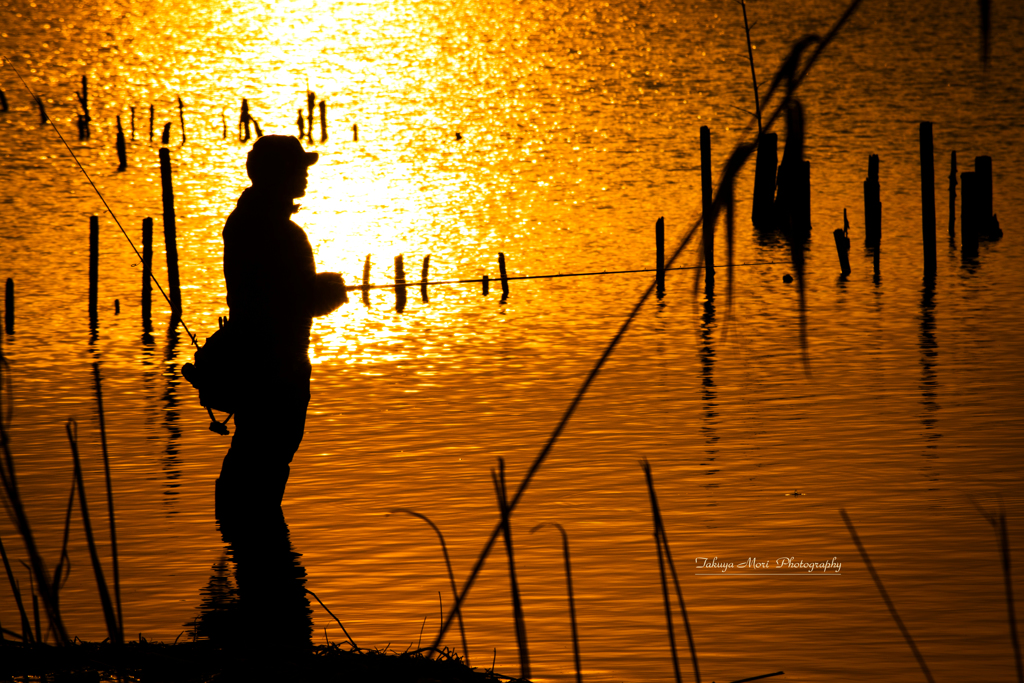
<point>578,126</point>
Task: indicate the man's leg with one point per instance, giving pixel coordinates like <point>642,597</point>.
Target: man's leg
<point>267,434</point>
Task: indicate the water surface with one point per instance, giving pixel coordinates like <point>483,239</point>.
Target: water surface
<point>579,125</point>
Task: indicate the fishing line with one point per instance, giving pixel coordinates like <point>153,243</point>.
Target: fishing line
<point>99,194</point>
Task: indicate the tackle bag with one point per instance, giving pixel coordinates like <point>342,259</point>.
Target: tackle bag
<point>218,374</point>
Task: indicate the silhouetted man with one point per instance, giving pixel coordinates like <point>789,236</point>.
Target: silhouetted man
<point>274,292</point>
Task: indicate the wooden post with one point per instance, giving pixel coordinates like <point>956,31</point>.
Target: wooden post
<point>165,138</point>
<point>42,110</point>
<point>94,260</point>
<point>399,284</point>
<point>122,152</point>
<point>927,198</point>
<point>147,274</point>
<point>224,123</point>
<point>842,237</point>
<point>84,119</point>
<point>301,123</point>
<point>423,275</point>
<point>969,214</point>
<point>9,306</point>
<point>764,180</point>
<point>952,195</point>
<point>323,121</point>
<point>181,118</point>
<point>310,106</point>
<point>504,276</point>
<point>872,205</point>
<point>3,101</point>
<point>133,124</point>
<point>366,281</point>
<point>170,235</point>
<point>355,132</point>
<point>243,122</point>
<point>659,255</point>
<point>117,307</point>
<point>983,171</point>
<point>486,285</point>
<point>151,124</point>
<point>706,190</point>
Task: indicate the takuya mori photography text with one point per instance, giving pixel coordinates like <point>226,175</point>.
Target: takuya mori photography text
<point>781,566</point>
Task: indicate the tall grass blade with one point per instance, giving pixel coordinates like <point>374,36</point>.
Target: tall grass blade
<point>26,628</point>
<point>60,573</point>
<point>662,537</point>
<point>1004,547</point>
<point>343,629</point>
<point>12,634</point>
<point>113,630</point>
<point>110,493</point>
<point>451,574</point>
<point>998,523</point>
<point>35,603</point>
<point>572,601</point>
<point>758,678</point>
<point>16,510</point>
<point>517,603</point>
<point>753,73</point>
<point>885,597</point>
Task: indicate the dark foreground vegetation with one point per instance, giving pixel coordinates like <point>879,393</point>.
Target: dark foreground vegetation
<point>203,662</point>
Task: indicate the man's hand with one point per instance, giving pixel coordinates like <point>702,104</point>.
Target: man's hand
<point>329,293</point>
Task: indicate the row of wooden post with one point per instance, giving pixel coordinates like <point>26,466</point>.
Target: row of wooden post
<point>171,247</point>
<point>707,231</point>
<point>976,217</point>
<point>307,131</point>
<point>401,283</point>
<point>245,120</point>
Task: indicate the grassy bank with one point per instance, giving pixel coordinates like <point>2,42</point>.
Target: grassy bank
<point>203,662</point>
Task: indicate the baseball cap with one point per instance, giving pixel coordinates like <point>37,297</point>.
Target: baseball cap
<point>275,154</point>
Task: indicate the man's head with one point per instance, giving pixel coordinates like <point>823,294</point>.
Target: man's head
<point>278,164</point>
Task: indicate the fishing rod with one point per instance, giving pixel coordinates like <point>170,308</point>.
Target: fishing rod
<point>99,194</point>
<point>510,278</point>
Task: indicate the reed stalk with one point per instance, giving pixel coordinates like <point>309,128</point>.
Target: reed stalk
<point>60,574</point>
<point>998,524</point>
<point>517,603</point>
<point>16,510</point>
<point>761,677</point>
<point>662,538</point>
<point>572,601</point>
<point>885,597</point>
<point>113,630</point>
<point>343,629</point>
<point>451,574</point>
<point>35,603</point>
<point>1004,548</point>
<point>26,628</point>
<point>110,499</point>
<point>668,607</point>
<point>753,73</point>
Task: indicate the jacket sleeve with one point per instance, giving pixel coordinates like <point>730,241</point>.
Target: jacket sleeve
<point>328,293</point>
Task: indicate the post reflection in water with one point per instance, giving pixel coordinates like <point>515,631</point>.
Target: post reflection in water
<point>929,384</point>
<point>171,463</point>
<point>709,394</point>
